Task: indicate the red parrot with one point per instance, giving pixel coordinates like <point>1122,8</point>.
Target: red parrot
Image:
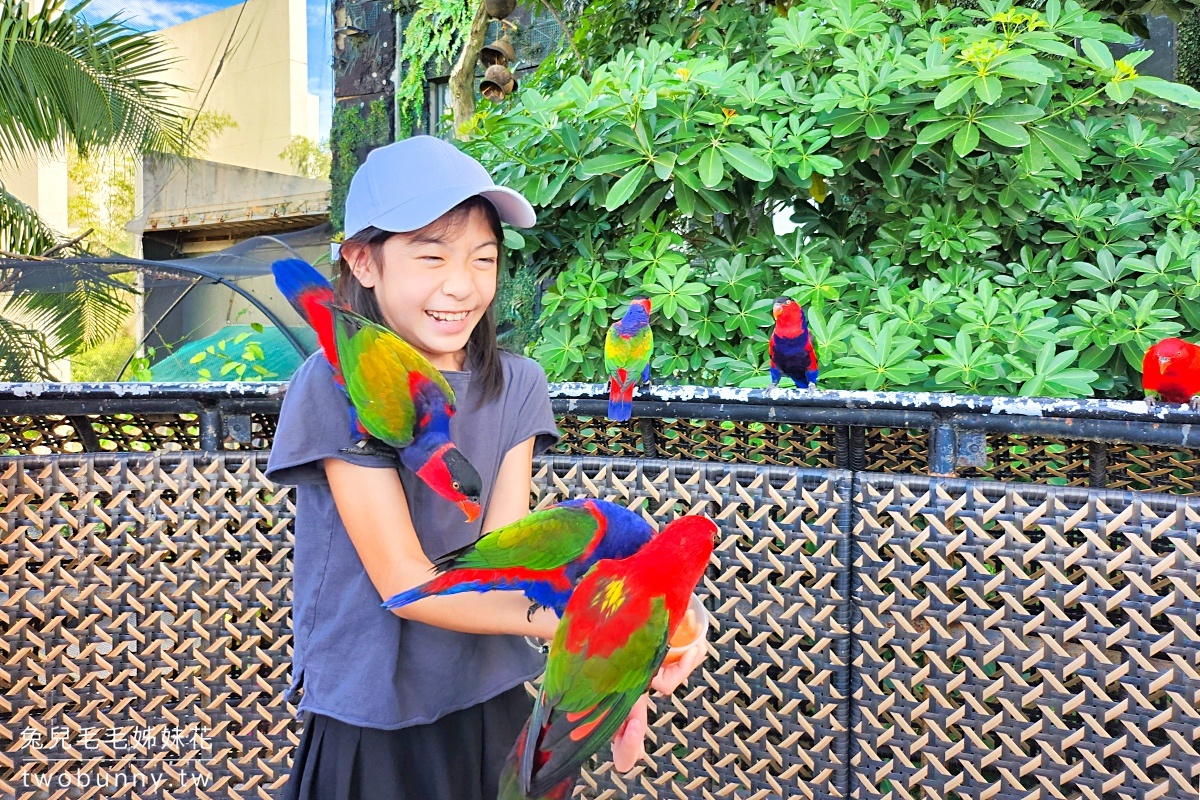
<point>543,554</point>
<point>791,347</point>
<point>610,642</point>
<point>627,350</point>
<point>396,395</point>
<point>1171,371</point>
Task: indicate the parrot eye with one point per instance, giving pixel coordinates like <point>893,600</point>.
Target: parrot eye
<point>456,486</point>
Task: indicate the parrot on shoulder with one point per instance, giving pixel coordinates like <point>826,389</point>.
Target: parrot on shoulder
<point>396,395</point>
<point>627,350</point>
<point>1171,373</point>
<point>543,554</point>
<point>791,346</point>
<point>610,642</point>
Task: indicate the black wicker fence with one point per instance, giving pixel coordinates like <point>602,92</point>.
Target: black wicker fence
<point>880,633</point>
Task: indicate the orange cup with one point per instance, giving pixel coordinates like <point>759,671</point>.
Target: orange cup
<point>692,629</point>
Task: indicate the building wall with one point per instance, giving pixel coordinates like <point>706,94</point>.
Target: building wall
<point>249,61</point>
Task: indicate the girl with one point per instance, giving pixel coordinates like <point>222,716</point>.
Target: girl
<point>423,703</point>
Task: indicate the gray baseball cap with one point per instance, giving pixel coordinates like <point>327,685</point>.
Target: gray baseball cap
<point>408,184</point>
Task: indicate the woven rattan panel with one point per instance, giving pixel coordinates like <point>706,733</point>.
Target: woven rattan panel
<point>145,605</point>
<point>766,715</point>
<point>1017,641</point>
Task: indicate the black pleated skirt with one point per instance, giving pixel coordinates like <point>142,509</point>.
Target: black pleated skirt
<point>457,757</point>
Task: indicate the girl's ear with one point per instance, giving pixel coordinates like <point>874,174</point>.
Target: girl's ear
<point>358,256</point>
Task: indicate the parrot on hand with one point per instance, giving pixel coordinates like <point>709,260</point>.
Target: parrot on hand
<point>396,395</point>
<point>1171,372</point>
<point>543,554</point>
<point>609,644</point>
<point>791,347</point>
<point>627,349</point>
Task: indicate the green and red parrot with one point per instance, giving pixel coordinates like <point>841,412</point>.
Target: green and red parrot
<point>543,554</point>
<point>791,347</point>
<point>627,350</point>
<point>396,395</point>
<point>1171,372</point>
<point>610,642</point>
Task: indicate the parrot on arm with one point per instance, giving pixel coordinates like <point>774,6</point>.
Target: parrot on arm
<point>543,554</point>
<point>396,395</point>
<point>610,642</point>
<point>627,349</point>
<point>791,347</point>
<point>1171,372</point>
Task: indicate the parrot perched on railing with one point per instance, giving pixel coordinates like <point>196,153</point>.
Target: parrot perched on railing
<point>397,396</point>
<point>543,554</point>
<point>1171,372</point>
<point>609,644</point>
<point>627,350</point>
<point>791,347</point>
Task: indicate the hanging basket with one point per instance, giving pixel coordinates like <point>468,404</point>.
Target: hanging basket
<point>498,52</point>
<point>498,83</point>
<point>499,9</point>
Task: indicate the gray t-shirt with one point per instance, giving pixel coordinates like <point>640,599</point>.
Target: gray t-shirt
<point>359,662</point>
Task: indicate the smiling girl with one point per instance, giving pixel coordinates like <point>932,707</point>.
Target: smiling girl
<point>426,701</point>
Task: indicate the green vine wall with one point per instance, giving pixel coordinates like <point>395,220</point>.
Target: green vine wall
<point>357,129</point>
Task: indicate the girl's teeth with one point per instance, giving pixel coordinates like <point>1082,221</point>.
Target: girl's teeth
<point>448,317</point>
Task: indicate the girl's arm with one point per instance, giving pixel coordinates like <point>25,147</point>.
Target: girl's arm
<point>374,509</point>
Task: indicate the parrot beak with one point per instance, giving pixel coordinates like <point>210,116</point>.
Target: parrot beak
<point>469,508</point>
<point>1163,363</point>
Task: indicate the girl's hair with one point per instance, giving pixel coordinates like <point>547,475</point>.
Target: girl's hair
<point>483,352</point>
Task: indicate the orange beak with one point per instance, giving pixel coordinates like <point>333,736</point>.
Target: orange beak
<point>470,509</point>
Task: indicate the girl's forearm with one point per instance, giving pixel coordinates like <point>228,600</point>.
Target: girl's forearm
<point>488,612</point>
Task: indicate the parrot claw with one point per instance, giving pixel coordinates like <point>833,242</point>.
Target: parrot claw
<point>1194,403</point>
<point>533,609</point>
<point>370,447</point>
<point>1151,403</point>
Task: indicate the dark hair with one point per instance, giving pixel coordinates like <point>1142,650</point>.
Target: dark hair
<point>483,351</point>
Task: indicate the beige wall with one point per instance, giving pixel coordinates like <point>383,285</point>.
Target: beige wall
<point>40,182</point>
<point>262,82</point>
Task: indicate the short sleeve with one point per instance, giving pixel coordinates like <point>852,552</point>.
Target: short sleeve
<point>529,412</point>
<point>314,424</point>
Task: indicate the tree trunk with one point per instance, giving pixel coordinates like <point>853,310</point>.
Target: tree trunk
<point>462,77</point>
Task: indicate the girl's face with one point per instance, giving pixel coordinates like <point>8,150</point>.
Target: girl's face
<point>434,287</point>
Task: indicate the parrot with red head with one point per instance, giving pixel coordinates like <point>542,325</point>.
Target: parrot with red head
<point>1171,373</point>
<point>396,395</point>
<point>791,347</point>
<point>610,642</point>
<point>543,554</point>
<point>627,350</point>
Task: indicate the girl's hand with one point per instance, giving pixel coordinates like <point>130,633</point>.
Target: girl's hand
<point>629,745</point>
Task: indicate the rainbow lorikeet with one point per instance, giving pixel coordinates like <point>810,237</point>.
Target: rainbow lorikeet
<point>791,347</point>
<point>396,395</point>
<point>627,349</point>
<point>543,554</point>
<point>609,644</point>
<point>1171,372</point>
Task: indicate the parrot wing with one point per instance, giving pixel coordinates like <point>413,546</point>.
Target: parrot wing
<point>379,367</point>
<point>544,540</point>
<point>610,641</point>
<point>632,354</point>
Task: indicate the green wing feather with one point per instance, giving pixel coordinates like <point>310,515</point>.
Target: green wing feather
<point>632,354</point>
<point>378,366</point>
<point>543,540</point>
<point>585,688</point>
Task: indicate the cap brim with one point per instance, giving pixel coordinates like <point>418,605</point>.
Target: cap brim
<point>420,211</point>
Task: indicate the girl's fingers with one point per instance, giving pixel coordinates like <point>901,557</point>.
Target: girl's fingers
<point>629,745</point>
<point>670,676</point>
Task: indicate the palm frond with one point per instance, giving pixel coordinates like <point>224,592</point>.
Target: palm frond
<point>81,312</point>
<point>21,229</point>
<point>25,353</point>
<point>64,80</point>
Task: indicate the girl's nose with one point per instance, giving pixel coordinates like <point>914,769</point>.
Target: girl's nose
<point>459,283</point>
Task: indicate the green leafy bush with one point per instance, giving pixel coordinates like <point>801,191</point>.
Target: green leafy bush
<point>983,205</point>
